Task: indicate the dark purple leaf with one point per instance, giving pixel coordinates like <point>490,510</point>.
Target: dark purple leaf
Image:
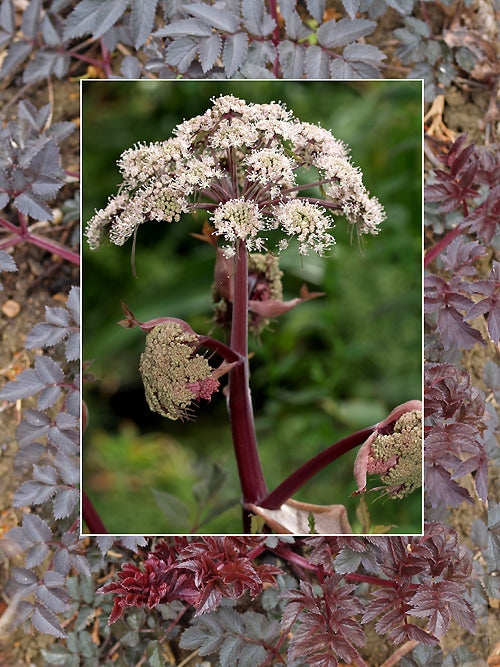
<point>37,118</point>
<point>209,51</point>
<point>48,370</point>
<point>294,27</point>
<point>142,20</point>
<point>34,425</point>
<point>32,493</point>
<point>221,19</point>
<point>44,335</point>
<point>80,564</point>
<point>235,51</point>
<point>131,67</point>
<point>316,8</point>
<point>52,29</point>
<point>28,383</point>
<point>55,599</point>
<point>46,186</point>
<point>36,555</point>
<point>48,397</point>
<point>66,441</point>
<point>58,316</point>
<point>460,256</point>
<point>44,64</point>
<point>316,63</point>
<point>24,576</point>
<point>256,18</point>
<point>181,53</point>
<point>292,58</point>
<point>185,27</point>
<point>46,621</point>
<point>7,16</point>
<point>455,332</point>
<point>31,19</point>
<point>73,304</point>
<point>339,33</point>
<point>36,528</point>
<point>6,262</point>
<point>351,7</point>
<point>61,131</point>
<point>65,502</point>
<point>32,206</point>
<point>68,469</point>
<point>16,55</point>
<point>45,473</point>
<point>441,489</point>
<point>95,17</point>
<point>73,346</point>
<point>62,561</point>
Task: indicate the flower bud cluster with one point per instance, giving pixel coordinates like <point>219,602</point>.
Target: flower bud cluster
<point>239,161</point>
<point>173,374</point>
<point>398,456</point>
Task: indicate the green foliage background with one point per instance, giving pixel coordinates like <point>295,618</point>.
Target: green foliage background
<point>327,368</point>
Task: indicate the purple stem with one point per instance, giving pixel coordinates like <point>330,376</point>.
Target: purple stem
<point>297,479</point>
<point>252,481</point>
<point>54,247</point>
<point>273,9</point>
<point>437,249</point>
<point>22,233</point>
<point>91,517</point>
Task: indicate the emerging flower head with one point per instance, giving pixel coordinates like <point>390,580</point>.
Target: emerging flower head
<point>173,374</point>
<point>239,161</point>
<point>394,451</point>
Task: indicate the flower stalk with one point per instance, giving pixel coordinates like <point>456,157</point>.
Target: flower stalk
<point>253,485</point>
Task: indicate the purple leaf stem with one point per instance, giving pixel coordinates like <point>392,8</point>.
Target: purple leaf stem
<point>54,247</point>
<point>273,9</point>
<point>297,479</point>
<point>250,471</point>
<point>91,517</point>
<point>438,248</point>
<point>106,60</point>
<point>22,233</point>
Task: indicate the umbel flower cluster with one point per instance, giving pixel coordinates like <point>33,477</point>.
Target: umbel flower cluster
<point>394,451</point>
<point>173,374</point>
<point>246,165</point>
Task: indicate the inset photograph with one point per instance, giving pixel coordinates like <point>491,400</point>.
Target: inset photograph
<point>252,307</point>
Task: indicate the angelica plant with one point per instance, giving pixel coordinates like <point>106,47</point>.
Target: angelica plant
<point>267,181</point>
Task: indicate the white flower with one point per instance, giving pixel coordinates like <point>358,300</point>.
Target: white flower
<point>238,219</point>
<point>101,221</point>
<point>270,165</point>
<point>240,160</point>
<point>308,222</point>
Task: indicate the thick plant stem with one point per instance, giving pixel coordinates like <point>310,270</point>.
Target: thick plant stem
<point>91,517</point>
<point>291,484</point>
<point>252,481</point>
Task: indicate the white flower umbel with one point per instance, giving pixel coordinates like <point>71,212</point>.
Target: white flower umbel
<point>308,222</point>
<point>239,161</point>
<point>270,166</point>
<point>238,219</point>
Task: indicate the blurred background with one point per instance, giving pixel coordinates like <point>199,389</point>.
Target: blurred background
<point>327,368</point>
